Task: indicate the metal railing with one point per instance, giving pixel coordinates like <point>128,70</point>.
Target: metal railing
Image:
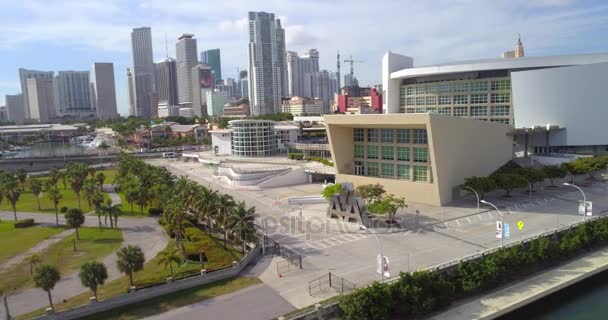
<point>327,281</point>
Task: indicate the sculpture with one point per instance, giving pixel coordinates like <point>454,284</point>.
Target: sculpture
<point>346,207</point>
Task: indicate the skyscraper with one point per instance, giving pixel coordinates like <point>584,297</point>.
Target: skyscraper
<point>143,71</point>
<point>186,60</point>
<point>213,59</point>
<point>73,94</point>
<point>41,99</point>
<point>298,68</point>
<point>15,107</point>
<point>244,84</point>
<point>202,82</point>
<point>131,86</point>
<point>25,74</point>
<point>267,67</point>
<point>166,82</point>
<point>104,94</point>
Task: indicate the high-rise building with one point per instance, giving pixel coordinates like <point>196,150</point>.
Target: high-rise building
<point>213,59</point>
<point>321,85</point>
<point>15,107</point>
<point>215,103</point>
<point>73,94</point>
<point>267,67</point>
<point>3,114</point>
<point>244,84</point>
<point>517,53</point>
<point>228,89</point>
<point>297,69</point>
<point>143,71</point>
<point>41,99</point>
<point>25,74</point>
<point>131,86</point>
<point>166,83</point>
<point>104,90</point>
<point>201,83</point>
<point>186,60</point>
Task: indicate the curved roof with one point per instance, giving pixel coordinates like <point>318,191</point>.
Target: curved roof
<point>500,64</point>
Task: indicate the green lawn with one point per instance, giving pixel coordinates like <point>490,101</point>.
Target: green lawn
<point>27,202</point>
<point>14,241</point>
<point>110,175</point>
<point>126,208</point>
<point>94,244</point>
<point>153,273</point>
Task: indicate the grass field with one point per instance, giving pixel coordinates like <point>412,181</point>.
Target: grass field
<point>94,244</point>
<point>14,241</point>
<point>153,272</point>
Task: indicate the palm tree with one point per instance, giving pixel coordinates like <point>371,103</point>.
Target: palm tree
<point>89,188</point>
<point>45,278</point>
<point>130,259</point>
<point>11,192</point>
<point>33,260</point>
<point>55,196</point>
<point>36,188</point>
<point>100,178</point>
<point>113,211</point>
<point>241,222</point>
<point>54,177</point>
<point>225,205</point>
<point>168,257</point>
<point>97,200</point>
<point>205,204</point>
<point>93,275</point>
<point>21,174</point>
<point>74,219</point>
<point>175,215</point>
<point>77,186</point>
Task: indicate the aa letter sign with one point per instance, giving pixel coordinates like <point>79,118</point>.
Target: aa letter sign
<point>387,270</point>
<point>499,229</point>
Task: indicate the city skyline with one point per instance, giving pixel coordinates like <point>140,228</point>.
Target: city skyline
<point>101,33</point>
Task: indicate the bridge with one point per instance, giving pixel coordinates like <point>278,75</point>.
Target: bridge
<point>48,163</point>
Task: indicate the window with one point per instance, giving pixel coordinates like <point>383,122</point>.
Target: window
<point>388,153</point>
<point>420,136</point>
<point>358,135</point>
<point>444,88</point>
<point>479,111</point>
<point>372,135</point>
<point>410,91</point>
<point>359,151</point>
<point>420,110</point>
<point>410,101</point>
<point>499,111</point>
<point>402,96</point>
<point>431,110</point>
<point>387,135</point>
<point>421,90</point>
<point>421,154</point>
<point>431,89</point>
<point>500,98</point>
<point>410,110</point>
<point>372,169</point>
<point>461,111</point>
<point>477,86</point>
<point>431,100</point>
<point>499,85</point>
<point>388,170</point>
<point>403,135</point>
<point>443,100</point>
<point>420,101</point>
<point>460,87</point>
<point>403,171</point>
<point>479,98</point>
<point>445,110</point>
<point>505,121</point>
<point>403,153</point>
<point>372,152</point>
<point>420,173</point>
<point>461,99</point>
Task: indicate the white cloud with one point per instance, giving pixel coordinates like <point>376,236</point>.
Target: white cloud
<point>234,25</point>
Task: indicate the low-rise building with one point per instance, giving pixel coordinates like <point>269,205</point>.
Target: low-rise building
<point>241,110</point>
<point>356,100</point>
<point>221,141</point>
<point>254,138</point>
<point>299,106</point>
<point>52,132</point>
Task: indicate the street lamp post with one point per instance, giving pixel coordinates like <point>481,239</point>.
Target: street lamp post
<point>502,229</point>
<point>584,198</point>
<point>381,251</point>
<point>530,187</point>
<point>476,194</point>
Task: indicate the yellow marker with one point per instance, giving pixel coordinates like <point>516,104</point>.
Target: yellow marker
<point>520,225</point>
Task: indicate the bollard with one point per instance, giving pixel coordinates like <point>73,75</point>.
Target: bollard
<point>49,311</point>
<point>203,272</point>
<point>92,300</point>
<point>132,289</point>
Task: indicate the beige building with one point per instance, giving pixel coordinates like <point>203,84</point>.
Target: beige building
<point>299,106</point>
<point>423,157</point>
<point>41,99</point>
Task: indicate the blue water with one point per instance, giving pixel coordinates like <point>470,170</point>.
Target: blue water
<point>587,300</point>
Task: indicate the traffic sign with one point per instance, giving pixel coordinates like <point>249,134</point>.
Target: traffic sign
<point>581,208</point>
<point>387,270</point>
<point>499,229</point>
<point>507,231</point>
<point>520,225</point>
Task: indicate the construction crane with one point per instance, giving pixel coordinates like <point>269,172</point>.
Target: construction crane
<point>352,63</point>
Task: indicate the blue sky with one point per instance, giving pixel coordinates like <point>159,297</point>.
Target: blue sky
<point>72,34</point>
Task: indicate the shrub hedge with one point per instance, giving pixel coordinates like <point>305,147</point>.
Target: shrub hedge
<point>423,292</point>
<point>24,223</point>
<point>320,160</point>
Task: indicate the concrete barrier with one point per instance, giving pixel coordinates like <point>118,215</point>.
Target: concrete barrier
<point>156,291</point>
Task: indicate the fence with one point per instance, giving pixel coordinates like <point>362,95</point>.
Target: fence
<point>293,261</point>
<point>155,291</point>
<point>330,281</point>
<point>289,264</point>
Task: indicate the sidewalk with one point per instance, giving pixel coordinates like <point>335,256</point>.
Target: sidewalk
<point>520,294</point>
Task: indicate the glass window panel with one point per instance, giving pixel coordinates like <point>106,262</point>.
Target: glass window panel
<point>420,136</point>
<point>388,153</point>
<point>403,135</point>
<point>372,152</point>
<point>372,169</point>
<point>387,135</point>
<point>359,135</point>
<point>444,100</point>
<point>421,154</point>
<point>403,153</point>
<point>420,173</point>
<point>372,135</point>
<point>403,172</point>
<point>388,170</point>
<point>461,111</point>
<point>359,151</point>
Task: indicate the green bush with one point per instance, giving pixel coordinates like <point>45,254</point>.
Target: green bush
<point>320,160</point>
<point>295,156</point>
<point>24,223</point>
<point>155,212</point>
<point>369,303</point>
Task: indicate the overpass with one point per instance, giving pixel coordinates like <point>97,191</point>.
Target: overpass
<point>48,163</point>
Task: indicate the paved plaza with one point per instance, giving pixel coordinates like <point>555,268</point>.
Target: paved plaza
<point>427,236</point>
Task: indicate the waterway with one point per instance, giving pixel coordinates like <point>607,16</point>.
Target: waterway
<point>586,300</point>
<point>51,149</point>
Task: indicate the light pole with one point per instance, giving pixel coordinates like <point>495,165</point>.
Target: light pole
<point>584,198</point>
<point>502,229</point>
<point>476,194</point>
<point>381,251</point>
<point>530,187</point>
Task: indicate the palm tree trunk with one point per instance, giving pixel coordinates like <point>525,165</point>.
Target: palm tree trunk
<point>99,217</point>
<point>77,235</point>
<point>38,202</point>
<point>78,196</point>
<point>51,300</point>
<point>95,293</point>
<point>15,212</point>
<point>131,278</point>
<point>56,216</point>
<point>171,268</point>
<point>225,236</point>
